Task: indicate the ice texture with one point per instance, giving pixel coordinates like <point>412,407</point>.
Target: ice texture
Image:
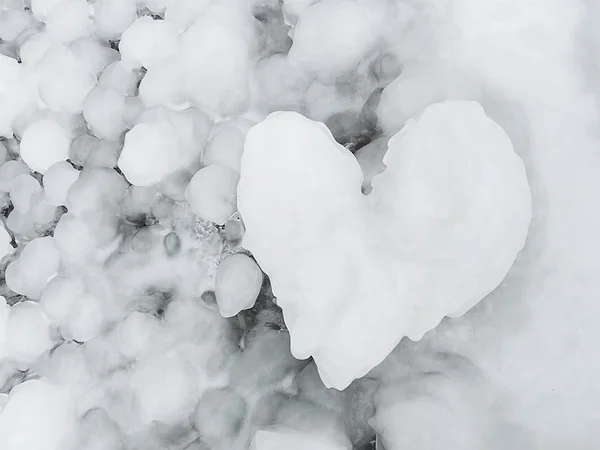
<point>441,229</point>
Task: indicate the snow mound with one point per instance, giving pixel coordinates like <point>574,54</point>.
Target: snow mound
<point>353,273</point>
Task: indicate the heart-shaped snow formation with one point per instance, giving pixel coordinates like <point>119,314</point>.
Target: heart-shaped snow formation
<point>354,273</point>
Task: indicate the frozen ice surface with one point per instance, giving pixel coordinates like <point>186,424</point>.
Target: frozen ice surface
<point>453,204</point>
<point>237,284</point>
<point>130,319</point>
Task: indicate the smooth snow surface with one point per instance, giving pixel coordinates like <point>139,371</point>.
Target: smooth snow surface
<point>441,229</point>
<point>385,199</point>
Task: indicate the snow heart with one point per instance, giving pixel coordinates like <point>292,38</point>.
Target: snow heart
<point>355,273</point>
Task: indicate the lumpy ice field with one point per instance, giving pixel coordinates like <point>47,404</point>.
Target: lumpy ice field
<point>299,224</point>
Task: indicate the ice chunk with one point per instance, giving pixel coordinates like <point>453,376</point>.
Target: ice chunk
<point>96,189</point>
<point>13,22</point>
<point>280,438</point>
<point>22,190</point>
<point>211,193</point>
<point>344,32</point>
<point>225,147</point>
<point>14,93</point>
<point>44,143</point>
<point>163,86</point>
<point>97,431</point>
<point>57,181</point>
<point>219,415</point>
<point>41,8</point>
<point>5,239</point>
<point>36,265</point>
<point>64,83</point>
<point>165,388</point>
<point>36,405</point>
<point>441,229</point>
<point>183,13</point>
<point>104,111</point>
<point>3,153</point>
<point>112,17</point>
<point>162,143</point>
<point>28,331</point>
<point>68,364</point>
<point>9,171</point>
<point>77,237</point>
<point>139,335</point>
<point>3,401</point>
<point>21,225</point>
<point>238,283</point>
<point>69,20</point>
<point>93,55</point>
<point>119,77</point>
<point>79,314</point>
<point>293,8</point>
<point>41,212</point>
<point>60,297</point>
<point>147,42</point>
<point>216,61</point>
